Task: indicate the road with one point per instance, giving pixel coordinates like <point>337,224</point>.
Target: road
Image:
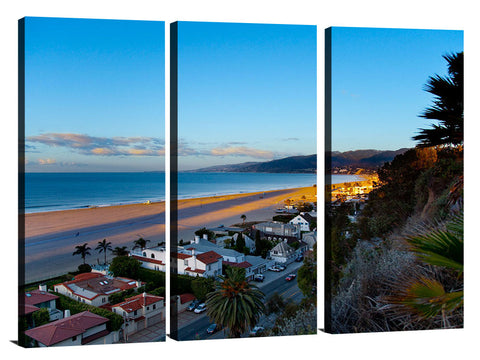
<point>197,329</point>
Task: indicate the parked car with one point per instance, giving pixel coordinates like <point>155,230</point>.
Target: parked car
<point>259,277</point>
<point>200,308</point>
<point>193,305</point>
<point>213,328</point>
<point>281,267</point>
<point>256,330</point>
<point>299,258</point>
<point>290,277</point>
<point>274,268</point>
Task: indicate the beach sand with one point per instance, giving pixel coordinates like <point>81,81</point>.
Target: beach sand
<point>51,237</point>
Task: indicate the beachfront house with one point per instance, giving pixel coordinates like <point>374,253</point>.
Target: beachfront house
<point>140,311</point>
<point>151,258</point>
<point>274,230</point>
<point>94,288</point>
<point>303,220</point>
<point>41,299</point>
<point>224,230</point>
<point>79,329</point>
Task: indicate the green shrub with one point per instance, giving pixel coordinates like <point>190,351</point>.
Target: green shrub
<point>63,303</point>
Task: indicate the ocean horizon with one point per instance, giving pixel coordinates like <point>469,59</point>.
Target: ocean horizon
<point>66,191</point>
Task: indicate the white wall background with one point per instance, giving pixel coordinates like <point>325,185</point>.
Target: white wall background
<point>427,14</point>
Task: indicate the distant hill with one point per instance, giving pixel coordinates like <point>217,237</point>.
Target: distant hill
<point>293,164</point>
<point>364,158</point>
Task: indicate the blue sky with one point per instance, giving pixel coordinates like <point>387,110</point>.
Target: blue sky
<point>378,77</point>
<point>246,92</point>
<point>94,95</point>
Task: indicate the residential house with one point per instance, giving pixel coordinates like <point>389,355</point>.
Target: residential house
<point>207,264</point>
<point>275,230</point>
<point>223,230</point>
<point>141,311</point>
<point>151,258</point>
<point>303,220</point>
<point>182,301</point>
<point>310,239</point>
<point>79,329</point>
<point>201,245</point>
<point>41,299</point>
<point>95,288</point>
<point>249,242</point>
<point>283,253</point>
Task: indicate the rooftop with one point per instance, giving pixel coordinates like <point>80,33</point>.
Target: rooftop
<point>137,302</point>
<point>35,297</point>
<point>60,330</point>
<point>91,285</point>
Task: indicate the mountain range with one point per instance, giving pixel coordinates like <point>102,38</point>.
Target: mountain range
<point>367,159</point>
<point>293,164</point>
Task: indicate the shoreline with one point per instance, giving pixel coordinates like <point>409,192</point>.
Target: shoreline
<point>51,237</point>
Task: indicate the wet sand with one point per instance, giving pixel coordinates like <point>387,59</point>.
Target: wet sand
<point>51,237</point>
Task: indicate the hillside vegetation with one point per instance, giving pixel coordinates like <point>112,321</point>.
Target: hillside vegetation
<point>397,263</point>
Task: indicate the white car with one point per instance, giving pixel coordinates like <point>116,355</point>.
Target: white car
<point>200,308</point>
<point>274,268</point>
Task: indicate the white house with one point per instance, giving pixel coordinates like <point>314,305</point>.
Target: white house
<point>303,220</point>
<point>79,329</point>
<point>151,258</point>
<point>141,311</point>
<point>94,288</point>
<point>283,253</point>
<point>207,264</point>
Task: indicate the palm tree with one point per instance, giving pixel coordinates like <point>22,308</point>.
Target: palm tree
<point>243,217</point>
<point>140,243</point>
<point>120,251</point>
<point>103,246</point>
<point>425,297</point>
<point>235,303</point>
<point>82,250</point>
<point>447,106</point>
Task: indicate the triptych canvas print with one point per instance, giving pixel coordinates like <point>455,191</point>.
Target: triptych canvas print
<point>240,248</point>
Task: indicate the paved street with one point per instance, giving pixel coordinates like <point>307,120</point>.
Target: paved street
<point>193,326</point>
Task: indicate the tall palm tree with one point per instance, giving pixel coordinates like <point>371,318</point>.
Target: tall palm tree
<point>425,297</point>
<point>140,243</point>
<point>447,106</point>
<point>103,246</point>
<point>120,251</point>
<point>235,303</point>
<point>82,250</point>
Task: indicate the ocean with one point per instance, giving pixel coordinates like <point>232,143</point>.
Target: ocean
<point>64,191</point>
<point>338,179</point>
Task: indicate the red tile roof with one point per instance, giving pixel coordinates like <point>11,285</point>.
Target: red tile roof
<point>209,257</point>
<point>26,309</point>
<point>181,256</point>
<point>186,298</point>
<point>99,284</point>
<point>244,264</point>
<point>146,259</point>
<point>195,271</point>
<point>137,302</point>
<point>35,297</point>
<point>60,330</point>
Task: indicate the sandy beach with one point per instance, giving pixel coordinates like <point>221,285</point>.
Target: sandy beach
<point>51,237</point>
